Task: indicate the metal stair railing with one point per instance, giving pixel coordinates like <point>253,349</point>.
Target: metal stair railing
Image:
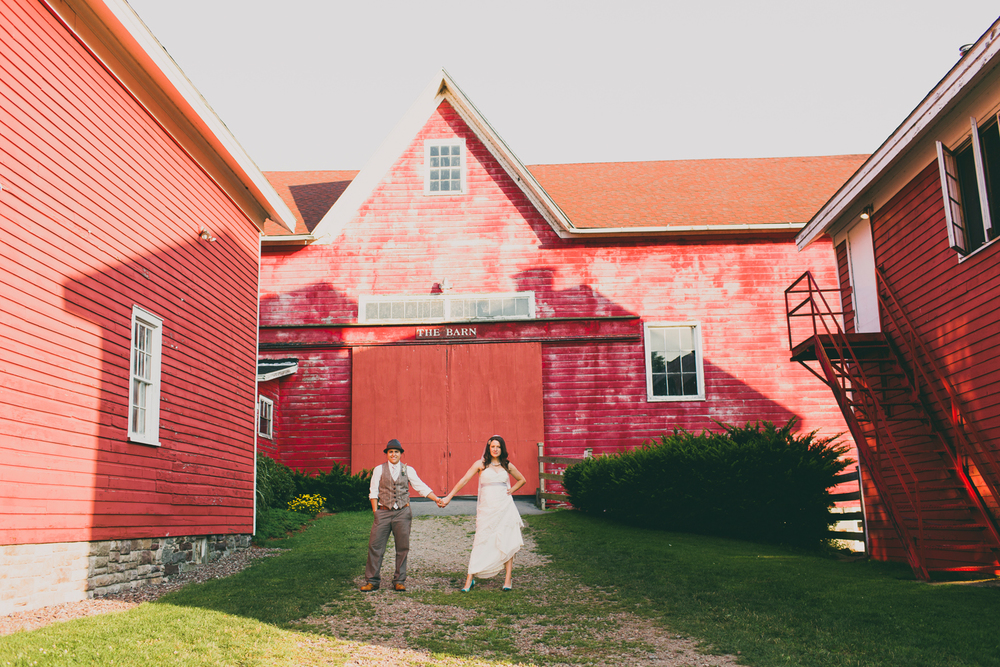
<point>852,389</point>
<point>967,442</point>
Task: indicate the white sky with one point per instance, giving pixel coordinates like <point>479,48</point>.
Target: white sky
<point>311,84</point>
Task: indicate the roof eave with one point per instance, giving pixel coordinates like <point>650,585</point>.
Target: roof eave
<point>287,239</point>
<point>675,230</point>
<point>938,101</point>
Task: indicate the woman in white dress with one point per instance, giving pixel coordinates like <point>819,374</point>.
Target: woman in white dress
<point>498,523</point>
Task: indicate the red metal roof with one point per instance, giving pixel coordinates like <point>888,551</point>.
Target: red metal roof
<point>621,195</point>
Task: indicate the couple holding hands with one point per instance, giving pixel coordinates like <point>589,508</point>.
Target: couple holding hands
<point>498,523</point>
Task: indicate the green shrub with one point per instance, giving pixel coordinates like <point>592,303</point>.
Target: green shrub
<point>277,523</point>
<point>275,486</point>
<point>757,482</point>
<point>343,491</point>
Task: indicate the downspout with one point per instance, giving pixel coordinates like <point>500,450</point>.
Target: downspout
<point>256,399</point>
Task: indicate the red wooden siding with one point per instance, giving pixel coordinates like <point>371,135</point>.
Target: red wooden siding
<point>492,240</point>
<point>952,305</point>
<point>100,210</point>
<point>315,427</point>
<point>268,446</point>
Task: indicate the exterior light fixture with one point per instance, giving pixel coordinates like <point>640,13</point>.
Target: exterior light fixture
<point>206,235</point>
<point>867,213</point>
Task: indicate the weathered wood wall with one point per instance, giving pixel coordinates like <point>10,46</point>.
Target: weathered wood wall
<point>100,209</point>
<point>493,240</point>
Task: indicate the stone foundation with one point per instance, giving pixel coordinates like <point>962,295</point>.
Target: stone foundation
<point>41,575</point>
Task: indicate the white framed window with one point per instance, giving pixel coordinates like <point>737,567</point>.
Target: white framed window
<point>970,181</point>
<point>265,417</point>
<point>144,377</point>
<point>674,369</point>
<point>446,308</point>
<point>444,166</point>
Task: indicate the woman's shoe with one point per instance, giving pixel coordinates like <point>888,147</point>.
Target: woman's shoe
<point>507,589</point>
<point>466,590</point>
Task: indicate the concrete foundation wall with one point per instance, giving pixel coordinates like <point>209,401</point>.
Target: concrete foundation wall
<point>41,575</point>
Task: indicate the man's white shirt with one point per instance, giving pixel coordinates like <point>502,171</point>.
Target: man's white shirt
<point>394,468</point>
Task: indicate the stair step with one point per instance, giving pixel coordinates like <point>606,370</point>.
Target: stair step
<point>952,546</point>
<point>951,525</point>
<point>966,568</point>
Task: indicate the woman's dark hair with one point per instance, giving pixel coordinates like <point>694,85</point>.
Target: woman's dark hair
<point>488,458</point>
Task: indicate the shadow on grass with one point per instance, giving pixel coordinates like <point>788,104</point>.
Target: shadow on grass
<point>318,568</point>
<point>769,604</point>
<point>779,606</point>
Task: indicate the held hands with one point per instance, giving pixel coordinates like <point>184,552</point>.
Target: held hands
<point>443,502</point>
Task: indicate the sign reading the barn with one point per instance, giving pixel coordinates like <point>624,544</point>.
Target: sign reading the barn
<point>447,332</point>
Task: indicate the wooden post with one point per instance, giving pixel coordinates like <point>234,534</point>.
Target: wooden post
<point>864,515</point>
<point>541,481</point>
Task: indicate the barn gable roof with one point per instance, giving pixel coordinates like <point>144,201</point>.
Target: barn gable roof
<point>579,200</point>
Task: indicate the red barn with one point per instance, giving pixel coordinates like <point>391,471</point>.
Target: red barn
<point>446,292</point>
<point>128,309</point>
<point>915,365</point>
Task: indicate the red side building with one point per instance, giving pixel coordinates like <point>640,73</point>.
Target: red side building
<point>914,360</point>
<point>446,292</point>
<point>129,263</point>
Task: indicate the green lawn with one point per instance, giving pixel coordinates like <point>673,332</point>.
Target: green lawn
<point>774,606</point>
<point>781,606</point>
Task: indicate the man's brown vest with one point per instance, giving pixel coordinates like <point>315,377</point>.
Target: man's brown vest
<point>394,493</point>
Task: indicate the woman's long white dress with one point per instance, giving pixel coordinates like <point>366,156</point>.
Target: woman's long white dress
<point>498,525</point>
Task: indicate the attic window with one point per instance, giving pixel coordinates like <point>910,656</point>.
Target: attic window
<point>444,167</point>
<point>446,308</point>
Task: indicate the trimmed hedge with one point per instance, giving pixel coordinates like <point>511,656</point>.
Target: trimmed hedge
<point>756,482</point>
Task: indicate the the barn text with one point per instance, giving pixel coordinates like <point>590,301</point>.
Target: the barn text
<point>447,332</point>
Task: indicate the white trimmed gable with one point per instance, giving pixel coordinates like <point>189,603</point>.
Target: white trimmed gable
<point>441,89</point>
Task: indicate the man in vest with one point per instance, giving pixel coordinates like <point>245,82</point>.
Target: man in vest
<point>390,497</point>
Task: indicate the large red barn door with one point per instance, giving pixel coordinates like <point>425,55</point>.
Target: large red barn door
<point>400,392</point>
<point>443,402</point>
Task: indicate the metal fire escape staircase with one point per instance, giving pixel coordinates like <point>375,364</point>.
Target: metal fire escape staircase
<point>935,479</point>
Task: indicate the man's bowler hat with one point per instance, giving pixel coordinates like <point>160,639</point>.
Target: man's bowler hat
<point>393,444</point>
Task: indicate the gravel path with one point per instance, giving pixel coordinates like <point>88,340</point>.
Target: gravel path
<point>385,623</point>
<point>385,628</point>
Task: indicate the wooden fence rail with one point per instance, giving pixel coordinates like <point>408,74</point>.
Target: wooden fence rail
<point>542,496</point>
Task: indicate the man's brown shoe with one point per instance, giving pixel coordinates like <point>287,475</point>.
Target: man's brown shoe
<point>369,587</point>
<point>400,587</point>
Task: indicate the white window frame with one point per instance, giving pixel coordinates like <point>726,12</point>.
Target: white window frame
<point>954,208</point>
<point>145,358</point>
<point>447,299</point>
<point>647,328</point>
<point>455,141</point>
<point>265,405</point>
